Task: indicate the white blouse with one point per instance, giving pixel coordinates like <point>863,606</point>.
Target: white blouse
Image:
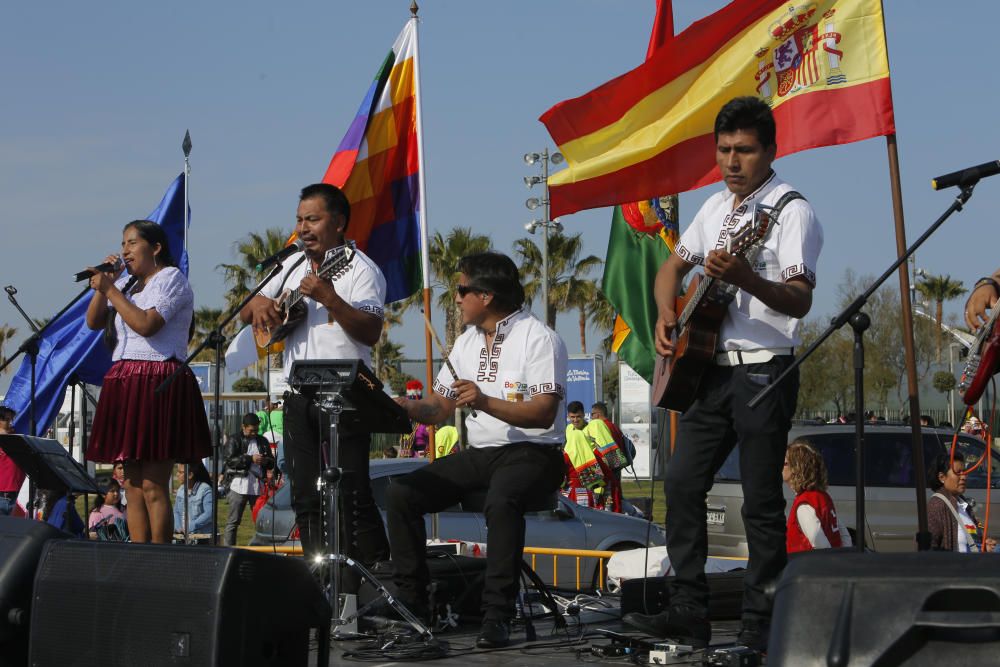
<point>169,292</point>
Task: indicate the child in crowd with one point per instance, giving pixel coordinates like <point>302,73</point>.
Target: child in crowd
<point>812,520</point>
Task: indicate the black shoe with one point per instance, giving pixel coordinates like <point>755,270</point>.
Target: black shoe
<point>754,635</point>
<point>679,623</point>
<point>493,634</point>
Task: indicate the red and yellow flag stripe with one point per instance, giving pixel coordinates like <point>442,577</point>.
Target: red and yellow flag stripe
<point>822,66</point>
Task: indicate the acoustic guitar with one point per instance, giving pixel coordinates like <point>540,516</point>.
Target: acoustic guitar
<point>702,309</point>
<point>290,301</point>
<point>983,361</point>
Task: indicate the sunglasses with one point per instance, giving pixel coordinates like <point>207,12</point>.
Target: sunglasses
<point>465,290</point>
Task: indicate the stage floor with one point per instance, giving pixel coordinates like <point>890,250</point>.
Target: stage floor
<point>582,641</point>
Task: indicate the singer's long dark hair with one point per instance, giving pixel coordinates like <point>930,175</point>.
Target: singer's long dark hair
<point>151,233</point>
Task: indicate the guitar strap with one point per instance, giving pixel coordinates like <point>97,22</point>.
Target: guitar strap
<point>786,199</point>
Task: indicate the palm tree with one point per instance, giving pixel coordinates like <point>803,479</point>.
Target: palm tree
<point>581,295</point>
<point>205,319</point>
<point>391,354</point>
<point>530,257</point>
<point>940,289</point>
<point>445,251</point>
<point>242,276</point>
<point>566,270</point>
<point>602,316</point>
<point>6,333</point>
<point>393,316</point>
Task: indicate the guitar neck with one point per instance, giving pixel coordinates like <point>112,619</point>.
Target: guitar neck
<point>331,269</point>
<point>986,330</point>
<point>704,286</point>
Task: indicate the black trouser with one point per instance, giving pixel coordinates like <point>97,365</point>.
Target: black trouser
<point>512,475</point>
<point>306,433</point>
<point>718,420</point>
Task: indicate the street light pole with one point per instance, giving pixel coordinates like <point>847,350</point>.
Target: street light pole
<point>545,237</point>
<point>532,203</point>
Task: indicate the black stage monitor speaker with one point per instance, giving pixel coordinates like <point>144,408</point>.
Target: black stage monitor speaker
<point>21,544</point>
<point>120,604</point>
<point>650,596</point>
<point>929,608</point>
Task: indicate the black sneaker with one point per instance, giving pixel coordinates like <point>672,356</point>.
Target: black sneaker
<point>493,634</point>
<point>681,624</point>
<point>754,635</point>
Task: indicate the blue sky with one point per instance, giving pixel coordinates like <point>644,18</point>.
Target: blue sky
<point>97,97</point>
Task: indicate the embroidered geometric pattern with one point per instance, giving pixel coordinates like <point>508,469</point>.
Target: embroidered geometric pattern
<point>547,388</point>
<point>489,364</point>
<point>447,392</point>
<point>799,270</point>
<point>688,257</point>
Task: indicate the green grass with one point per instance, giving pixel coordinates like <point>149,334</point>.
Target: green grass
<point>633,489</point>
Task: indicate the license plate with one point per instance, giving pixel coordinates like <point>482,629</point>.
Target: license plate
<point>716,517</point>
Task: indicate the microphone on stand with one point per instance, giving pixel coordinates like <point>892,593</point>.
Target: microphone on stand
<point>100,268</point>
<point>281,255</point>
<point>968,176</point>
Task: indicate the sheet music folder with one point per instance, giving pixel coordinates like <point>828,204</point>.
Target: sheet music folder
<point>367,408</point>
<point>48,464</point>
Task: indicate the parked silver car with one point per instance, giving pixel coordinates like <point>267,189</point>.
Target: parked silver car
<point>890,508</point>
<point>569,526</point>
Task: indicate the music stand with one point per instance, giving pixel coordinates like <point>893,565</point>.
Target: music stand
<point>352,395</point>
<point>47,464</point>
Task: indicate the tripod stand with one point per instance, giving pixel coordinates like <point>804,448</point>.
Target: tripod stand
<point>348,392</point>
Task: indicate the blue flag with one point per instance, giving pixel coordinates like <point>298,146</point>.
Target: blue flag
<point>69,350</point>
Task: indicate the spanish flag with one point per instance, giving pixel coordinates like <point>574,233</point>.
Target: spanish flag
<point>822,66</point>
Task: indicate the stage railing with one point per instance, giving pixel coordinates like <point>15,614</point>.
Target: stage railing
<point>578,554</point>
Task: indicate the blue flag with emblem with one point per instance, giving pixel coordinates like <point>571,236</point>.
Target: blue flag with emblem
<point>68,350</point>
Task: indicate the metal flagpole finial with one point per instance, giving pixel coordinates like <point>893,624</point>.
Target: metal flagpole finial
<point>186,145</point>
<point>414,8</point>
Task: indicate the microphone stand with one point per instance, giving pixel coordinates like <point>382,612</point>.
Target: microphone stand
<point>30,347</point>
<point>860,321</point>
<point>217,340</point>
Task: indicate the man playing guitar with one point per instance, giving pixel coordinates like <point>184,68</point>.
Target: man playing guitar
<point>754,345</point>
<point>343,320</point>
<point>983,360</point>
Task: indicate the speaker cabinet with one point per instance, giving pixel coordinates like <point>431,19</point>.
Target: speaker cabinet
<point>650,595</point>
<point>21,545</point>
<point>929,608</point>
<point>105,603</point>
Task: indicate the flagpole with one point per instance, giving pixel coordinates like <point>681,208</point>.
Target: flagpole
<point>425,265</point>
<point>186,147</point>
<point>912,383</point>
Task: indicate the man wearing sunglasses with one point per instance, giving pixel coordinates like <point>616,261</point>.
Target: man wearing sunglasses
<point>512,372</point>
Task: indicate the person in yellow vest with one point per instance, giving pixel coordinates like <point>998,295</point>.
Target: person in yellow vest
<point>585,478</point>
<point>445,440</point>
<point>611,459</point>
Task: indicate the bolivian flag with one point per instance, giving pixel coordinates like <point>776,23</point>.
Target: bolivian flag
<point>822,66</point>
<point>377,167</point>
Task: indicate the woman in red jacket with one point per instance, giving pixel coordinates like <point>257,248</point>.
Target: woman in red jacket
<point>812,520</point>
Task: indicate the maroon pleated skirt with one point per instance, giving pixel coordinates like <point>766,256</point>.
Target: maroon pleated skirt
<point>132,423</point>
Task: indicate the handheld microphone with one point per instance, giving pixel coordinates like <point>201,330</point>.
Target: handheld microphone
<point>281,255</point>
<point>100,268</point>
<point>966,176</point>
